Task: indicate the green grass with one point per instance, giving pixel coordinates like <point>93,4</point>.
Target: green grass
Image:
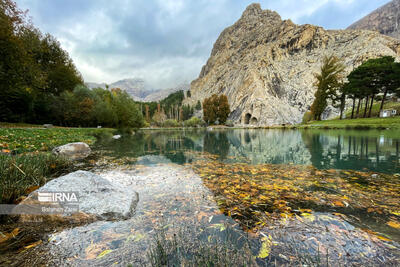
<point>367,123</point>
<point>21,172</point>
<point>21,140</point>
<point>184,249</point>
<point>25,161</point>
<point>375,109</point>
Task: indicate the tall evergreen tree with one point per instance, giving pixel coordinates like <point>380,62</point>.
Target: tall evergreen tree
<point>328,82</point>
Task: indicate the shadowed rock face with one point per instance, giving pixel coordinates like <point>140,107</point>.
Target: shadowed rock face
<point>266,65</point>
<point>385,20</point>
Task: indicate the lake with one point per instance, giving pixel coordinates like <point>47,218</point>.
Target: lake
<point>324,149</point>
<point>245,196</point>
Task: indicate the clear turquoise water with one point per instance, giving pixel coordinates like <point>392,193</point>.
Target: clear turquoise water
<point>363,150</point>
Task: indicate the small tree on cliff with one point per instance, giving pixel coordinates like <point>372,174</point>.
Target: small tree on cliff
<point>328,82</point>
<point>198,105</point>
<point>216,108</point>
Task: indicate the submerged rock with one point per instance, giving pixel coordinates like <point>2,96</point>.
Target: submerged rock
<point>73,151</point>
<point>96,197</point>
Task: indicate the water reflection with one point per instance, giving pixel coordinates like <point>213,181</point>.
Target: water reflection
<point>325,149</point>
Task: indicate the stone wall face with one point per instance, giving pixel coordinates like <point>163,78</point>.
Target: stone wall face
<point>266,66</point>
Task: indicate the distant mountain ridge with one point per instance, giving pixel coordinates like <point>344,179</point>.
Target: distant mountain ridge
<point>385,20</point>
<point>140,90</point>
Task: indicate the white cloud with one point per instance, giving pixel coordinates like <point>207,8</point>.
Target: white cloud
<point>164,42</point>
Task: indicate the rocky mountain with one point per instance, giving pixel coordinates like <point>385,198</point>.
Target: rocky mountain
<point>161,94</point>
<point>266,65</point>
<point>385,20</point>
<point>140,90</point>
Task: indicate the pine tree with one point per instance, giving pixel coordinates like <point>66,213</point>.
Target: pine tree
<point>328,83</point>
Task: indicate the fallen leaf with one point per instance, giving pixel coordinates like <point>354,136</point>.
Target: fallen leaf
<point>394,224</point>
<point>5,237</point>
<point>265,248</point>
<point>33,244</point>
<point>105,252</point>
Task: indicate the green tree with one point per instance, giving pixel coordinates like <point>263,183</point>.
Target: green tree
<point>198,105</point>
<point>380,75</point>
<point>216,108</point>
<point>187,112</point>
<point>328,82</point>
<point>128,114</point>
<point>33,68</point>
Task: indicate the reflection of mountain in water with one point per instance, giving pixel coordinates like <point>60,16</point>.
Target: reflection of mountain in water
<point>324,149</point>
<point>266,146</point>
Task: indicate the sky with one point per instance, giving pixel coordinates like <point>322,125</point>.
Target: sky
<point>164,42</point>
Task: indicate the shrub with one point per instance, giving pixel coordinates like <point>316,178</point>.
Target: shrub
<point>170,123</point>
<point>159,118</point>
<point>307,117</point>
<point>198,105</point>
<point>229,123</point>
<point>194,122</point>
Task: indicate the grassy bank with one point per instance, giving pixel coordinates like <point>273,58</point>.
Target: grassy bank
<point>367,123</point>
<point>25,159</point>
<point>21,140</point>
<point>22,174</point>
<point>376,108</point>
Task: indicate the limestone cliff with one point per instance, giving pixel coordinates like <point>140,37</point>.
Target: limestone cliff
<point>385,20</point>
<point>266,65</point>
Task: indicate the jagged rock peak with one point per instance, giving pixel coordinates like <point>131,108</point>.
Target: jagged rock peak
<point>266,66</point>
<point>254,12</point>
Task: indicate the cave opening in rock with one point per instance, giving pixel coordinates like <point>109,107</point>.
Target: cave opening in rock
<point>247,118</point>
<point>253,121</point>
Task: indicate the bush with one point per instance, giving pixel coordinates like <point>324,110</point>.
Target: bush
<point>194,122</point>
<point>307,117</point>
<point>146,124</point>
<point>170,123</point>
<point>229,123</point>
<point>159,118</point>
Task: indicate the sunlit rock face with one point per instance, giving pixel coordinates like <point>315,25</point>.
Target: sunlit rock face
<point>385,20</point>
<point>266,65</point>
<point>95,195</point>
<point>74,151</point>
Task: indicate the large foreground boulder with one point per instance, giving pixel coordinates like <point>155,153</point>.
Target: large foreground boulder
<point>73,151</point>
<point>96,198</point>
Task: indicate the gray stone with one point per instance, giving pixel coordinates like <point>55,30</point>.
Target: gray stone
<point>266,65</point>
<point>73,150</point>
<point>47,126</point>
<point>96,195</point>
<point>116,137</point>
<point>385,20</point>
